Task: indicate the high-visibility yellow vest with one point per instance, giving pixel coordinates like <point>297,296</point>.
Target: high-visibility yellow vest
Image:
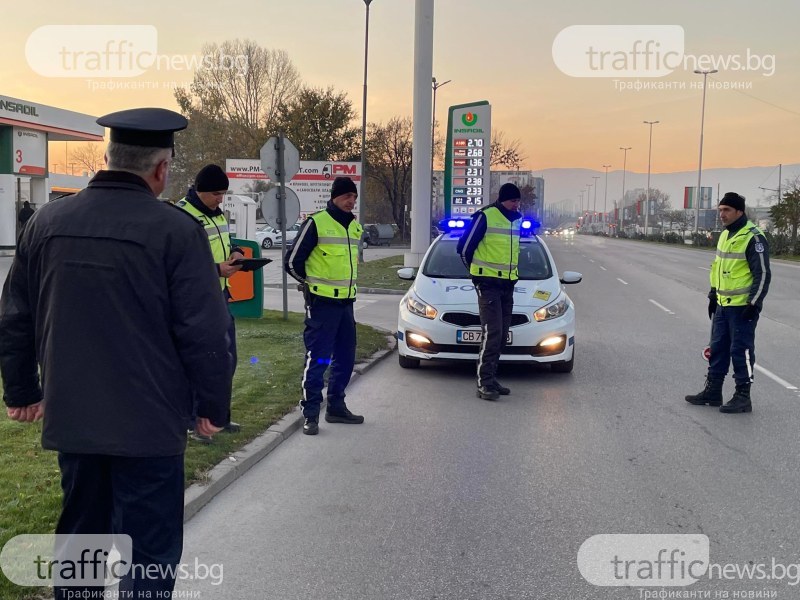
<point>332,266</point>
<point>730,272</point>
<point>497,253</point>
<point>217,231</point>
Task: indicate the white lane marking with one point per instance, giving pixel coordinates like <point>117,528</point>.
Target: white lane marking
<point>590,260</point>
<point>622,282</point>
<point>775,378</point>
<point>705,268</point>
<point>662,307</point>
<point>602,267</point>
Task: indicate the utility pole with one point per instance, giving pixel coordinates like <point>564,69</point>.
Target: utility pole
<point>594,208</point>
<point>622,204</point>
<point>699,194</point>
<point>605,199</point>
<point>649,154</point>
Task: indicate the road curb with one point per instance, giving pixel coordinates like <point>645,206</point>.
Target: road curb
<point>278,286</point>
<point>244,459</point>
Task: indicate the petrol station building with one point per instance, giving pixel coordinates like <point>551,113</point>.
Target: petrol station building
<point>25,130</point>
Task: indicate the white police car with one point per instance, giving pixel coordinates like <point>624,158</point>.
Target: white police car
<point>439,316</point>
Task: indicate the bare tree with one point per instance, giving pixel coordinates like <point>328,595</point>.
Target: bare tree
<point>90,156</point>
<point>245,86</point>
<point>389,162</point>
<point>506,153</point>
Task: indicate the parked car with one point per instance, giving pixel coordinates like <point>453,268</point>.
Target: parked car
<point>439,319</point>
<point>267,236</point>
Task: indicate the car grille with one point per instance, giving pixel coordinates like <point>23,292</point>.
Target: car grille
<point>465,319</point>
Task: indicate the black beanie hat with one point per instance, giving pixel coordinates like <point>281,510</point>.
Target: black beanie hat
<point>733,200</point>
<point>211,178</point>
<point>341,186</point>
<point>508,191</point>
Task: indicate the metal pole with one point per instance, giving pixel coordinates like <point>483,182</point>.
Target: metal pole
<point>698,194</point>
<point>605,199</point>
<point>282,211</point>
<point>420,161</point>
<point>594,207</point>
<point>363,189</point>
<point>622,203</point>
<point>435,86</point>
<point>649,154</point>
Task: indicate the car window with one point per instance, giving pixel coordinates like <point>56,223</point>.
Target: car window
<point>443,262</point>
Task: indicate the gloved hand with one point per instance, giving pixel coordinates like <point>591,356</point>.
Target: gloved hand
<point>712,305</point>
<point>750,312</point>
<point>306,289</point>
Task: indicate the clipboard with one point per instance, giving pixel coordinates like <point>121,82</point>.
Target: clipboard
<point>251,264</point>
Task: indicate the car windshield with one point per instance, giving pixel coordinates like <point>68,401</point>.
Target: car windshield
<point>444,262</point>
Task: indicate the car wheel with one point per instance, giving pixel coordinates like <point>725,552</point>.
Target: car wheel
<point>564,367</point>
<point>365,244</point>
<point>266,244</point>
<point>408,363</point>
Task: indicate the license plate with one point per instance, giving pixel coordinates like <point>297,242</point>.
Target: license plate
<point>467,336</point>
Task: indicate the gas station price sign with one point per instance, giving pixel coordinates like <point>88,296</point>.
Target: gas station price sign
<point>466,169</point>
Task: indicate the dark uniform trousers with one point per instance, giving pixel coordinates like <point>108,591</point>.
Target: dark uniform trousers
<point>732,340</point>
<point>330,339</point>
<point>496,304</point>
<point>139,497</point>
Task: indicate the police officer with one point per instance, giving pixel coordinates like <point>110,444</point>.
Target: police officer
<point>203,202</point>
<point>112,292</point>
<point>324,259</point>
<point>490,249</point>
<point>740,277</point>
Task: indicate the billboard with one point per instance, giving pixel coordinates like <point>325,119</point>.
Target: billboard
<point>312,183</point>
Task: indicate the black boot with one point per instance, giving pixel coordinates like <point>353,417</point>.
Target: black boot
<point>501,389</point>
<point>311,427</point>
<point>342,414</point>
<point>711,394</point>
<point>740,403</point>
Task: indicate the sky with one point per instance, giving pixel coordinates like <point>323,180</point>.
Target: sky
<point>501,51</point>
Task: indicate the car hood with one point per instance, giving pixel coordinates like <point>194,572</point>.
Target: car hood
<point>445,292</point>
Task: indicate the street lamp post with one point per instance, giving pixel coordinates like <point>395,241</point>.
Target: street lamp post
<point>649,154</point>
<point>588,199</point>
<point>435,85</point>
<point>698,195</point>
<point>364,117</point>
<point>605,199</point>
<point>622,204</point>
<point>594,207</point>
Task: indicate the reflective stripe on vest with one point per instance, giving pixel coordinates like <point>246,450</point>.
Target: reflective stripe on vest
<point>497,253</point>
<point>730,271</point>
<point>332,266</point>
<point>218,233</point>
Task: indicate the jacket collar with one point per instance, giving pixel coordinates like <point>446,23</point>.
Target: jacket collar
<point>511,215</point>
<point>734,227</point>
<point>125,179</point>
<point>193,199</point>
<point>343,218</point>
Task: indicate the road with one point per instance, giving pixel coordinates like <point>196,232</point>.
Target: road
<point>441,495</point>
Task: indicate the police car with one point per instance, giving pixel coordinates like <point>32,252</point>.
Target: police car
<point>439,317</point>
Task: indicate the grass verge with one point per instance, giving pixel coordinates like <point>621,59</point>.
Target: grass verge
<point>382,273</point>
<point>265,388</point>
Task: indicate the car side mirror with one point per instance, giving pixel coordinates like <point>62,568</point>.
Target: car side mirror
<point>571,277</point>
<point>408,273</point>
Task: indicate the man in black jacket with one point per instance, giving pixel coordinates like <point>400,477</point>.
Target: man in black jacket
<point>490,250</point>
<point>324,259</point>
<point>114,294</point>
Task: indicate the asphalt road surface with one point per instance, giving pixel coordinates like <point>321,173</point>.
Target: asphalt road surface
<point>442,495</point>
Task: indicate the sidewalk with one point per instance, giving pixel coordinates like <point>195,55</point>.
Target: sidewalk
<point>238,463</point>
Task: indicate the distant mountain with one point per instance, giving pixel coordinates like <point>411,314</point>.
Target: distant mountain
<point>564,184</point>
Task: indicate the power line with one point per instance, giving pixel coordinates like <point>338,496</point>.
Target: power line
<point>788,110</point>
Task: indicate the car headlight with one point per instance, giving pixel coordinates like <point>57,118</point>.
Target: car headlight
<point>552,311</point>
<point>418,307</point>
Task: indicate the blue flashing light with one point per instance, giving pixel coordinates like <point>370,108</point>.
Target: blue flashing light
<point>453,225</point>
<point>526,224</point>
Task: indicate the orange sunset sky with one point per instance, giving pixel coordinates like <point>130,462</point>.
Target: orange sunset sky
<point>500,50</point>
